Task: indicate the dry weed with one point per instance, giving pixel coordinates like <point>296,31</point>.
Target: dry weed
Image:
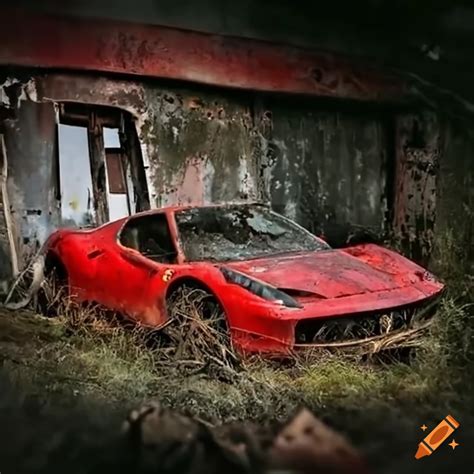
<point>197,333</point>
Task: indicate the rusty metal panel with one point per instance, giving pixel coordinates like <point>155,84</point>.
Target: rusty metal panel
<point>417,163</point>
<point>28,39</point>
<point>326,169</point>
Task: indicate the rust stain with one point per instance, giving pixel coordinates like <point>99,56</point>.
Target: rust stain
<point>416,176</point>
<point>156,51</point>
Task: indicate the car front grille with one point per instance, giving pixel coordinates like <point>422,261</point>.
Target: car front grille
<point>337,329</point>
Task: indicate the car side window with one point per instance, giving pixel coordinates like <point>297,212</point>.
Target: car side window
<point>150,235</point>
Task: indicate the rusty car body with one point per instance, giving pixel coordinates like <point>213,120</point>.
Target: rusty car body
<point>279,286</point>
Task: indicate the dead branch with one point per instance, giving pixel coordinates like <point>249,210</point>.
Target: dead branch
<point>193,337</point>
<point>6,206</point>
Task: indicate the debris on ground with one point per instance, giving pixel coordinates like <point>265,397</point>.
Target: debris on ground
<point>166,441</point>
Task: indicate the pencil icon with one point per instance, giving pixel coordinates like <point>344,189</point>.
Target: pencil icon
<point>436,438</point>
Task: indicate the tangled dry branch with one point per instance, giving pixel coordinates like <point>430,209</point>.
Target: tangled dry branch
<point>197,332</point>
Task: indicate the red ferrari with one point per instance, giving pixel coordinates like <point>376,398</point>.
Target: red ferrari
<point>279,286</point>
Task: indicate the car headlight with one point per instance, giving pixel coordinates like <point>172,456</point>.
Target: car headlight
<point>265,291</point>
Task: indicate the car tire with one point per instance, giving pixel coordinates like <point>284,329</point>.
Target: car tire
<point>197,325</point>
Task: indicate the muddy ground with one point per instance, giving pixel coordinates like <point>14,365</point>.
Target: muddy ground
<point>71,380</point>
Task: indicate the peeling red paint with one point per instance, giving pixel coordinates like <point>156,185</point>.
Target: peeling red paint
<point>36,40</point>
<point>354,281</point>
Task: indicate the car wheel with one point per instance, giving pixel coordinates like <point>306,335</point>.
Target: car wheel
<point>197,328</point>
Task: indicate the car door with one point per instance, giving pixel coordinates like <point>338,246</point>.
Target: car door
<point>118,281</point>
<point>124,270</point>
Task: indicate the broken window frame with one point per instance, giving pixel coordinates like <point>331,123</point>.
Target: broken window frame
<point>95,118</point>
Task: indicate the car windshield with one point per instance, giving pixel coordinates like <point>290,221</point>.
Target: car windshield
<point>240,232</point>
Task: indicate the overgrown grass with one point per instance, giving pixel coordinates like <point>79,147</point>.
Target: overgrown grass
<point>79,355</point>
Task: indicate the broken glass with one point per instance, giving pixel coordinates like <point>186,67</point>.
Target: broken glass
<point>239,232</point>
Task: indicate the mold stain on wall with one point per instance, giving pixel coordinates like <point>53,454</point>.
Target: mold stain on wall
<point>202,147</point>
<point>327,168</point>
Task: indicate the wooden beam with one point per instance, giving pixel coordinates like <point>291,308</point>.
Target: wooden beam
<point>45,41</point>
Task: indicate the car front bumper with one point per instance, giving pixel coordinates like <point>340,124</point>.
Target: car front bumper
<point>269,328</point>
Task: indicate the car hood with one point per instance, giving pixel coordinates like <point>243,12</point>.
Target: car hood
<point>339,272</point>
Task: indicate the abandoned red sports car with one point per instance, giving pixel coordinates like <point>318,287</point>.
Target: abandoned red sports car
<point>278,285</point>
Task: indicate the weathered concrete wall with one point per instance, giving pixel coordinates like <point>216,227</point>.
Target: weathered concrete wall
<point>326,167</point>
<point>321,167</point>
<point>196,144</point>
<point>200,146</point>
<point>331,167</point>
<point>30,140</point>
<point>204,146</point>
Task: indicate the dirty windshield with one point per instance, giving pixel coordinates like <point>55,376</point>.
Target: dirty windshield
<point>238,233</point>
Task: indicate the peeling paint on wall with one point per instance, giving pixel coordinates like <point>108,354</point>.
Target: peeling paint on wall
<point>201,145</point>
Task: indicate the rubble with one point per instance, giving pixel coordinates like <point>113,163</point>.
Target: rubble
<point>165,441</point>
